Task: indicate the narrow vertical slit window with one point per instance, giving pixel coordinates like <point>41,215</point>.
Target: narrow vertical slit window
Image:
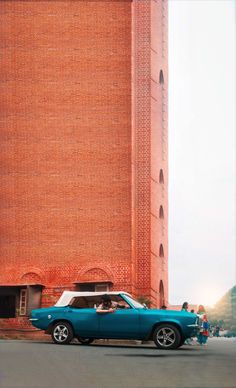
<point>162,294</point>
<point>161,212</point>
<point>161,251</point>
<point>161,176</point>
<point>161,77</point>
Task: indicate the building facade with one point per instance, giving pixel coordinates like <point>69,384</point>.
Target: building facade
<point>84,195</point>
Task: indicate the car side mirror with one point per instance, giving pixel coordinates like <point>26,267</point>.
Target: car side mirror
<point>145,306</point>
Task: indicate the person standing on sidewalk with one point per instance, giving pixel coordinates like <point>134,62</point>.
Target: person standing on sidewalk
<point>184,306</point>
<point>204,328</point>
<point>205,332</point>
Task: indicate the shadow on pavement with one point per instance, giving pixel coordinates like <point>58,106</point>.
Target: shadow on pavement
<point>170,354</point>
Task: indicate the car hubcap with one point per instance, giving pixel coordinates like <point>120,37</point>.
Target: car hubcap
<point>60,333</point>
<point>165,337</point>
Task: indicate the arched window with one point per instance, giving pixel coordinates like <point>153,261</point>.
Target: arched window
<point>161,77</point>
<point>162,294</point>
<point>161,212</point>
<point>161,176</point>
<point>161,251</point>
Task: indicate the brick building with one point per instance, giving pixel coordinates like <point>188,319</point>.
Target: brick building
<point>84,175</point>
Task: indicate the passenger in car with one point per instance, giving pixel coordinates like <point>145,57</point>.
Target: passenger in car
<point>106,305</point>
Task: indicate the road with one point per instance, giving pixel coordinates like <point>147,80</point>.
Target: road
<point>25,364</point>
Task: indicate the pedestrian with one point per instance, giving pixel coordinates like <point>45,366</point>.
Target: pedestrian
<point>201,310</point>
<point>163,307</point>
<point>184,306</point>
<point>203,334</point>
<point>217,331</point>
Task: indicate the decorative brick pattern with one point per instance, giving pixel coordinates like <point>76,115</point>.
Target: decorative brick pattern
<point>82,144</point>
<point>31,278</point>
<point>95,274</point>
<point>150,151</point>
<point>142,125</point>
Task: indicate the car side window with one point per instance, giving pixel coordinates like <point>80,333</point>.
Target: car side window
<point>93,301</point>
<point>79,303</point>
<point>85,302</point>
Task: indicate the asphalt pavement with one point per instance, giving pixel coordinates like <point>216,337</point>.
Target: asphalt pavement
<point>28,364</point>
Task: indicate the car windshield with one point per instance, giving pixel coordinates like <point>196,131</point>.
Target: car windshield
<point>134,302</point>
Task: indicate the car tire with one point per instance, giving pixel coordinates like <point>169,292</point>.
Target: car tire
<point>167,336</point>
<point>85,341</point>
<point>62,333</point>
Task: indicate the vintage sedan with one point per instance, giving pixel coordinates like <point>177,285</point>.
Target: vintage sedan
<point>75,316</point>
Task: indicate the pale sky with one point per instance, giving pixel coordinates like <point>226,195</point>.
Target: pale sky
<point>202,104</point>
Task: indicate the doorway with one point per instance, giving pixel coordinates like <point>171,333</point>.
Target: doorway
<point>7,306</point>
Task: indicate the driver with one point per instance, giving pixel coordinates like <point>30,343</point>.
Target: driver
<point>106,306</point>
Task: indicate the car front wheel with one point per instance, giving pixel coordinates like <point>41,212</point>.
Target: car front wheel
<point>85,341</point>
<point>167,336</point>
<point>62,333</point>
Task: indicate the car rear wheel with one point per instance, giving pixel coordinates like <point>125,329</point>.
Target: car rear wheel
<point>85,341</point>
<point>167,336</point>
<point>62,333</point>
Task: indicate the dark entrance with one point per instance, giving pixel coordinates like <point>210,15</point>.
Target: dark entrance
<point>91,287</point>
<point>7,306</point>
<point>87,287</point>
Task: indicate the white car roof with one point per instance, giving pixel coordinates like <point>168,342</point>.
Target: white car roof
<point>66,297</point>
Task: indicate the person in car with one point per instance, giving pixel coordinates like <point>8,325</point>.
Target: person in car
<point>106,305</point>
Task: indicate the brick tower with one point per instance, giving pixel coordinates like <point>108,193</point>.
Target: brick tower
<point>83,150</point>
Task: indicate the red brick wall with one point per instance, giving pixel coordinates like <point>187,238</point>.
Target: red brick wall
<point>66,138</point>
<point>80,157</point>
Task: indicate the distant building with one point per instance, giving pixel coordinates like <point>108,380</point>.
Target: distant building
<point>84,174</point>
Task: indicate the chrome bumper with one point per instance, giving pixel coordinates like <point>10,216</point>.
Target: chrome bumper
<point>193,325</point>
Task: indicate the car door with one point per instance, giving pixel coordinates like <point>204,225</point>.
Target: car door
<point>84,321</point>
<point>82,314</point>
<point>123,323</point>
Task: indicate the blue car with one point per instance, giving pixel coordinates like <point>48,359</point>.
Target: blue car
<point>75,316</point>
